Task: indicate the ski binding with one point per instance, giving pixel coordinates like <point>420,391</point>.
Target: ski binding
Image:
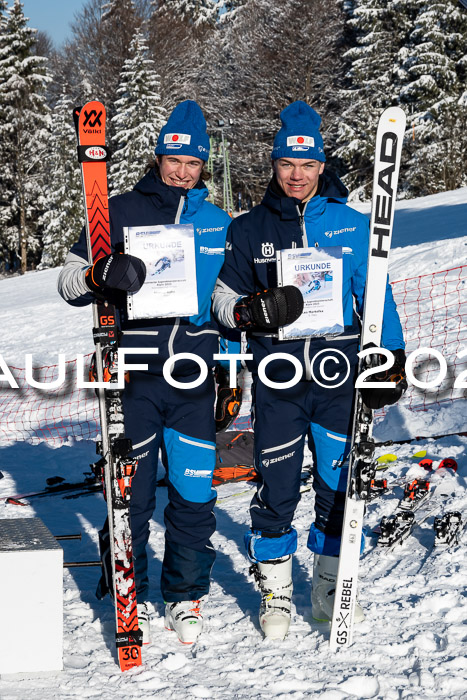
<point>416,492</point>
<point>394,529</point>
<point>448,528</point>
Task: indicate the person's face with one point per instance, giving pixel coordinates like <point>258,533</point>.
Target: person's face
<point>180,171</point>
<point>298,177</point>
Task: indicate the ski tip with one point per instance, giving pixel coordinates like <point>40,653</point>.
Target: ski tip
<point>16,502</point>
<point>385,459</point>
<point>419,455</point>
<point>394,115</point>
<point>426,464</point>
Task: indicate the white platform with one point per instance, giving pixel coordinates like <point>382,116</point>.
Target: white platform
<point>31,598</point>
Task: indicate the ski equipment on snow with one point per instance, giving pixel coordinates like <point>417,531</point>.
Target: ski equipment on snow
<point>448,463</point>
<point>448,528</point>
<point>115,467</point>
<point>386,459</point>
<point>420,501</point>
<point>415,493</point>
<point>395,528</point>
<point>389,137</point>
<point>378,487</point>
<point>406,441</point>
<point>89,485</point>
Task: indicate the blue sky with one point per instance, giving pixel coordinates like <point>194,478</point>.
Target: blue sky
<point>52,16</point>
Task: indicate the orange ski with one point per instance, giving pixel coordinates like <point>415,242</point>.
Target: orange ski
<point>115,468</point>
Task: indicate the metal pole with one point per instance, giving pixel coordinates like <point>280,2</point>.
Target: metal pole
<point>68,564</point>
<point>223,164</point>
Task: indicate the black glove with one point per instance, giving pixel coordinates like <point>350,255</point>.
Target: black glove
<point>269,309</point>
<point>117,271</point>
<point>377,398</point>
<point>228,400</point>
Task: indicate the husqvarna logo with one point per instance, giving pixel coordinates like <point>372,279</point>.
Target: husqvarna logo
<point>267,250</point>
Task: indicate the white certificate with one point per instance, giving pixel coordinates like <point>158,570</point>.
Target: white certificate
<point>170,285</point>
<point>317,272</point>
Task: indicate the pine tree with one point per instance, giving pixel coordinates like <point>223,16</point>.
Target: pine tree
<point>24,118</point>
<point>102,32</point>
<point>182,36</point>
<point>411,53</point>
<point>433,70</point>
<point>5,262</point>
<point>63,217</point>
<point>119,23</point>
<point>375,32</point>
<point>262,75</point>
<point>195,12</point>
<point>139,117</point>
<point>225,8</point>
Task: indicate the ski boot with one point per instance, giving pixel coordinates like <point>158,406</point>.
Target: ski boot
<point>143,621</point>
<point>324,588</point>
<point>186,619</point>
<point>274,579</point>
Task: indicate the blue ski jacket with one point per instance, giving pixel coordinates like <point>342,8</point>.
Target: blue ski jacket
<point>281,222</point>
<point>151,203</point>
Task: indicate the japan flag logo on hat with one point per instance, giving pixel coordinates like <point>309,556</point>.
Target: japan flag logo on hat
<point>300,141</point>
<point>177,138</point>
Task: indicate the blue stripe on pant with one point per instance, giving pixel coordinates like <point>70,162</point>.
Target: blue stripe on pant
<point>184,419</point>
<point>282,419</point>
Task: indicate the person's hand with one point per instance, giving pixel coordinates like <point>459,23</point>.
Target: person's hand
<point>269,309</point>
<point>377,398</point>
<point>116,272</point>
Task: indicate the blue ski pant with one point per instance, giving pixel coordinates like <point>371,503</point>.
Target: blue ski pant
<point>182,420</point>
<point>282,419</point>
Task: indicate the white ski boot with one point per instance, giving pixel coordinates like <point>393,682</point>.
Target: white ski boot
<point>186,619</point>
<point>274,579</point>
<point>324,588</point>
<point>143,621</point>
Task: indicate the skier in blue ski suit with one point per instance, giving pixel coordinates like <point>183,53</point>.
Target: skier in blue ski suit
<point>303,207</point>
<point>172,192</point>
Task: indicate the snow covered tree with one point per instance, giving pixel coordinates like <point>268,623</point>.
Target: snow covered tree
<point>412,53</point>
<point>24,118</point>
<point>433,70</point>
<point>226,7</point>
<point>375,31</point>
<point>182,34</point>
<point>139,117</point>
<point>102,32</point>
<point>119,23</point>
<point>63,217</point>
<point>269,60</point>
<point>195,12</point>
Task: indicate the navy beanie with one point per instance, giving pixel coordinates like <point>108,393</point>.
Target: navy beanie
<point>299,136</point>
<point>185,132</point>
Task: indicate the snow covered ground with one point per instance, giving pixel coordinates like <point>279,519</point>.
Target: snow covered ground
<point>412,643</point>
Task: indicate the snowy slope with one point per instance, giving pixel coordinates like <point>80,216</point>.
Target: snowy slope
<point>430,233</point>
<point>411,644</point>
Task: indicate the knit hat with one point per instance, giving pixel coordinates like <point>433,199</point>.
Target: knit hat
<point>185,132</point>
<point>299,136</point>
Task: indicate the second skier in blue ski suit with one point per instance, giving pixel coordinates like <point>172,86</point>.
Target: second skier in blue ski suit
<point>304,206</point>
